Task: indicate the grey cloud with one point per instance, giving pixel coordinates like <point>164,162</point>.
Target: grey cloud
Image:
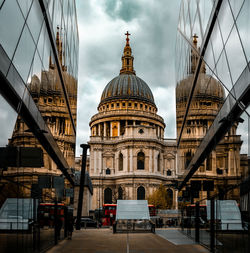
<point>8,118</point>
<point>125,10</point>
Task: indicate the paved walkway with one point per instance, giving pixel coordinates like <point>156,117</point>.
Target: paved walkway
<point>104,241</point>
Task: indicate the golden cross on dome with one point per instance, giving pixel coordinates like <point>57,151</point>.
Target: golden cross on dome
<point>195,38</point>
<point>127,33</point>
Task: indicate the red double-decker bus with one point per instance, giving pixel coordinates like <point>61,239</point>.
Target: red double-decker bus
<point>110,213</point>
<point>46,213</point>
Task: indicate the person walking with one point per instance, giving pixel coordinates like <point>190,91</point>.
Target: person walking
<point>70,229</point>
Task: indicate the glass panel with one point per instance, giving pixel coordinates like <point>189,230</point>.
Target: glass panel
<point>235,55</point>
<point>25,6</point>
<point>35,20</point>
<point>7,114</point>
<point>225,20</point>
<point>236,5</point>
<point>24,54</point>
<point>243,27</point>
<point>11,23</point>
<point>132,209</point>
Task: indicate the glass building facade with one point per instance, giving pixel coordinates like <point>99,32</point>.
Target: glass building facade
<point>39,47</point>
<point>213,122</point>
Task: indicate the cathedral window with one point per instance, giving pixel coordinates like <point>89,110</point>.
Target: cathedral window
<point>107,106</point>
<point>188,158</point>
<point>146,107</point>
<point>117,105</point>
<point>141,105</point>
<point>120,193</point>
<point>169,172</point>
<point>135,105</point>
<point>141,193</point>
<point>107,196</point>
<point>50,100</point>
<point>123,104</point>
<point>112,105</point>
<point>129,104</point>
<point>158,163</point>
<point>149,108</point>
<point>127,61</point>
<point>140,161</point>
<point>120,161</point>
<point>209,163</point>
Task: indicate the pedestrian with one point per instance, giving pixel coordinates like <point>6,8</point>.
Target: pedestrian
<point>58,227</point>
<point>70,228</point>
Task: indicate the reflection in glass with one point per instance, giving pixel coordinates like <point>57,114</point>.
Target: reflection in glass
<point>24,54</point>
<point>11,23</point>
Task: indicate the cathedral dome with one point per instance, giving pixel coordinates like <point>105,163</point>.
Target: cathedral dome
<point>206,87</point>
<point>127,86</point>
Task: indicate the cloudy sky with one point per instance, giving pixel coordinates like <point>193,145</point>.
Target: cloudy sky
<point>153,27</point>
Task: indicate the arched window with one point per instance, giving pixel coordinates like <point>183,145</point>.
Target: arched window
<point>107,196</point>
<point>141,193</point>
<point>169,172</point>
<point>120,193</point>
<point>188,158</point>
<point>158,163</point>
<point>120,161</point>
<point>140,161</point>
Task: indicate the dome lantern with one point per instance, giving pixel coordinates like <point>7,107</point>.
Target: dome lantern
<point>127,58</point>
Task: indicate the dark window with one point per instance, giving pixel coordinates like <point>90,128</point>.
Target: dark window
<point>141,193</point>
<point>120,193</point>
<point>129,104</point>
<point>209,163</point>
<point>169,172</point>
<point>121,161</point>
<point>127,61</point>
<point>140,161</point>
<point>107,106</point>
<point>158,163</point>
<point>123,104</point>
<point>49,100</point>
<point>141,105</point>
<point>107,196</point>
<point>169,198</point>
<point>117,104</point>
<point>188,158</point>
<point>112,105</point>
<point>146,107</point>
<point>135,105</point>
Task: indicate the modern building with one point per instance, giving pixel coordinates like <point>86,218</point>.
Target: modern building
<point>38,72</point>
<point>216,110</point>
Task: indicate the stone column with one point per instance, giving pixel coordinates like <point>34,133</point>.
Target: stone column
<point>105,128</point>
<point>131,159</point>
<point>100,161</point>
<point>118,128</point>
<point>150,160</point>
<point>99,129</point>
<point>125,160</point>
<point>95,164</point>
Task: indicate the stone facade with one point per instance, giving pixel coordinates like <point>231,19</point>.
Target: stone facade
<point>129,157</point>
